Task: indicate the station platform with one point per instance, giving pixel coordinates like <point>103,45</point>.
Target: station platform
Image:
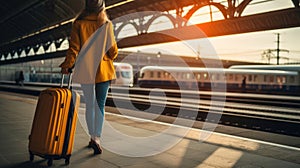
<point>218,150</point>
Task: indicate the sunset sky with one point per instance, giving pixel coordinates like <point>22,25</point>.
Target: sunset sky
<point>242,47</point>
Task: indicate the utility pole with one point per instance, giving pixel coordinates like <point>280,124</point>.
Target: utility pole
<point>268,53</point>
<point>278,50</point>
<point>278,42</point>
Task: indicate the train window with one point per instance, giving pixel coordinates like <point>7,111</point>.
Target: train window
<point>142,75</point>
<point>292,79</point>
<point>205,75</point>
<point>278,79</point>
<point>166,75</point>
<point>192,75</point>
<point>151,74</point>
<point>158,74</point>
<point>230,77</point>
<point>255,78</point>
<point>271,78</point>
<point>126,74</point>
<point>182,76</point>
<point>218,77</point>
<point>236,78</point>
<point>283,79</point>
<point>250,78</point>
<point>177,75</point>
<point>188,76</point>
<point>198,76</point>
<point>223,77</point>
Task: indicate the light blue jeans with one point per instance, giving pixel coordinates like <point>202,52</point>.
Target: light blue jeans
<point>95,97</point>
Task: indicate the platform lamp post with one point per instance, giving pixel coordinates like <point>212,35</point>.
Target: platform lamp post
<point>158,57</point>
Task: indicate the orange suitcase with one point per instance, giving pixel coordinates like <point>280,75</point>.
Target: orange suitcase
<point>54,124</point>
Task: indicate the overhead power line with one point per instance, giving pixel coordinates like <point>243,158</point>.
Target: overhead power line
<point>268,54</point>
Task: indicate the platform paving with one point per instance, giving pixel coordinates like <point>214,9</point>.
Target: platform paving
<point>217,151</point>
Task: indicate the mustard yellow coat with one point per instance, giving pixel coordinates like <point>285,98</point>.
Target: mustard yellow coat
<point>82,29</point>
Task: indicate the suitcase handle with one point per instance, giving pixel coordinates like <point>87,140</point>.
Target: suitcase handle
<point>69,82</point>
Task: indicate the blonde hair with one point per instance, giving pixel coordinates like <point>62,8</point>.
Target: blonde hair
<point>102,17</point>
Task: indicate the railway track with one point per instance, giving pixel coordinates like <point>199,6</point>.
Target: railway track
<point>277,114</point>
<point>271,113</point>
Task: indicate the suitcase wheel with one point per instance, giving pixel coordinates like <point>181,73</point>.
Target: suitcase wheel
<point>50,162</point>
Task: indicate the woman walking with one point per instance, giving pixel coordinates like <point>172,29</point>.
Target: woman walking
<point>92,45</point>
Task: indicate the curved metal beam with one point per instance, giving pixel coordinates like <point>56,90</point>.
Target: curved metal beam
<point>150,21</point>
<point>117,32</point>
<point>221,8</point>
<point>241,7</point>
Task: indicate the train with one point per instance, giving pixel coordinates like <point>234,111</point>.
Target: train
<point>228,79</point>
<point>124,75</point>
